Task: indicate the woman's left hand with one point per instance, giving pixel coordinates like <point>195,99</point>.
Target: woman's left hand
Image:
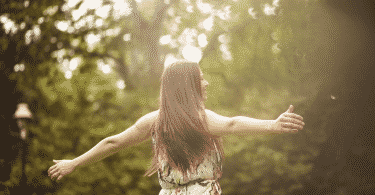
<point>61,168</point>
<point>289,121</point>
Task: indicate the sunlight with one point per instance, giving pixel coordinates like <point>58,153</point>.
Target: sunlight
<point>65,65</point>
<point>22,25</point>
<point>99,22</point>
<point>170,11</point>
<point>190,9</point>
<point>275,3</point>
<point>3,18</point>
<point>51,10</point>
<point>178,19</point>
<point>165,39</point>
<point>169,59</point>
<point>74,63</point>
<point>192,53</point>
<point>22,67</point>
<point>72,3</point>
<point>268,10</point>
<point>187,36</point>
<point>37,32</point>
<point>127,37</point>
<point>62,25</point>
<point>224,15</point>
<point>92,40</point>
<point>8,24</point>
<point>103,11</point>
<point>59,53</point>
<point>121,8</point>
<point>28,37</point>
<point>16,68</point>
<point>32,34</point>
<point>223,39</point>
<point>202,40</point>
<point>75,42</point>
<point>226,54</point>
<point>76,14</point>
<point>252,13</point>
<point>26,3</point>
<point>100,10</point>
<point>19,67</point>
<point>223,48</point>
<point>208,23</point>
<point>40,20</point>
<point>204,7</point>
<point>79,24</point>
<point>276,49</point>
<point>113,32</point>
<point>68,74</point>
<point>106,69</point>
<point>92,4</point>
<point>120,84</point>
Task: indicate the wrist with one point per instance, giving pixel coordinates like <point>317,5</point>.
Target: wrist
<point>271,125</point>
<point>75,163</point>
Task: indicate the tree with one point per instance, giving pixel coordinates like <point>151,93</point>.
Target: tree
<point>257,55</point>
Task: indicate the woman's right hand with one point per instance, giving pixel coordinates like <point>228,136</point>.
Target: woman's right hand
<point>61,168</point>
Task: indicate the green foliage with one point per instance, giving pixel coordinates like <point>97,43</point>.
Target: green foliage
<point>259,79</point>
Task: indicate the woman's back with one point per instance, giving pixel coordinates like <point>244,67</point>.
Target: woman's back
<point>203,181</point>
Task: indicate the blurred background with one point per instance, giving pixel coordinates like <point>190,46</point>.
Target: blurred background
<point>77,71</point>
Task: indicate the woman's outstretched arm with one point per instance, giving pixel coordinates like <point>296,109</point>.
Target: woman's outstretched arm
<point>134,135</point>
<point>241,125</point>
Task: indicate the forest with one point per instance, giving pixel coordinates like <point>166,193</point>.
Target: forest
<point>89,69</point>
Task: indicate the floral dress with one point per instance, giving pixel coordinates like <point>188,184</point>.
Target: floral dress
<point>203,182</point>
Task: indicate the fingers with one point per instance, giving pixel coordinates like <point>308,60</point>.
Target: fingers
<point>51,169</point>
<point>289,130</point>
<point>290,109</point>
<point>59,177</point>
<point>54,175</point>
<point>52,172</point>
<point>292,115</point>
<point>292,126</point>
<point>293,120</point>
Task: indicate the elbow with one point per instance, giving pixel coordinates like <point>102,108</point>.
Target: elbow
<point>111,142</point>
<point>232,123</point>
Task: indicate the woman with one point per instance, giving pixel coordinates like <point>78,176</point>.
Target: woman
<point>185,136</point>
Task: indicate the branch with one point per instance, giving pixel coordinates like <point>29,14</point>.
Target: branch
<point>212,44</point>
<point>137,16</point>
<point>123,70</point>
<point>159,12</point>
<point>121,67</point>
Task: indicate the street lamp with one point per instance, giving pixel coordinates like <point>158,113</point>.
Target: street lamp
<point>23,114</point>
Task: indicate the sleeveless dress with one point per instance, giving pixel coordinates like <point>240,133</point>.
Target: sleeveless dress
<point>203,182</point>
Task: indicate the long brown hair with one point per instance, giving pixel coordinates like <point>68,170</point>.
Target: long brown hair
<point>180,132</point>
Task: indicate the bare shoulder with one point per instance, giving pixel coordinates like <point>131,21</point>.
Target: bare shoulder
<point>147,120</point>
<point>217,124</point>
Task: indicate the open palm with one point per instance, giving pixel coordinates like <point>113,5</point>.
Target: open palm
<point>61,168</point>
<point>289,121</point>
